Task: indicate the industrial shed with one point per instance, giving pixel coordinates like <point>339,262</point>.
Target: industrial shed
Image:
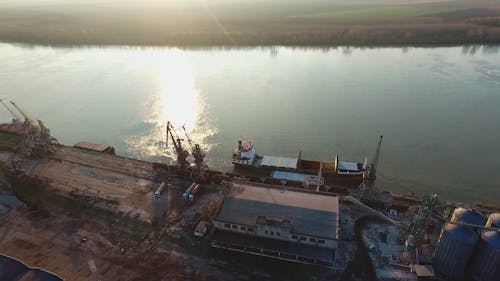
<point>95,147</point>
<point>284,224</point>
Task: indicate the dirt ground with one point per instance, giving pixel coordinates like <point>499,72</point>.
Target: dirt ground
<point>77,173</point>
<point>78,249</point>
<point>91,216</point>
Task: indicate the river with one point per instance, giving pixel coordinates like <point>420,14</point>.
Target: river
<point>438,108</point>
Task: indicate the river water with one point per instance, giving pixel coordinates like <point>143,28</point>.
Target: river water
<point>438,108</point>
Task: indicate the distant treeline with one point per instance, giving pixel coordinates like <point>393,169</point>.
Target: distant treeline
<point>356,35</point>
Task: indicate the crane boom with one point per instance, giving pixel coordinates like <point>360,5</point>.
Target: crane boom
<point>182,154</point>
<point>198,155</point>
<point>369,179</point>
<point>175,139</point>
<point>187,136</point>
<point>26,117</point>
<point>10,110</point>
<point>377,154</point>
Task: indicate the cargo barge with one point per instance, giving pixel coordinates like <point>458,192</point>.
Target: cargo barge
<point>339,172</point>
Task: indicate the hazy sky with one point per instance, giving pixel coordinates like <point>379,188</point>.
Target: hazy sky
<point>187,2</point>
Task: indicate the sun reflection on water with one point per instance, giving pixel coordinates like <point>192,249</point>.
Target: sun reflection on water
<point>176,99</point>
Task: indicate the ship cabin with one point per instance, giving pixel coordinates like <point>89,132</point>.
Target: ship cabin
<point>350,168</point>
<point>244,154</point>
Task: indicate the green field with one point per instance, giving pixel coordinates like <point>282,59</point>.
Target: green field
<point>364,14</point>
<point>266,22</point>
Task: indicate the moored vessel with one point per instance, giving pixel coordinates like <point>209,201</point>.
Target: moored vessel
<point>247,161</point>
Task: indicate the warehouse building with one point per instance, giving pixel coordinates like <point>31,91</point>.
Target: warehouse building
<point>284,224</point>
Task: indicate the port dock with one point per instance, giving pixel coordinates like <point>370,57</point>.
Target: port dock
<point>85,213</point>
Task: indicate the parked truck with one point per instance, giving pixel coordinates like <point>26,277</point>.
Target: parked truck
<point>160,189</point>
<point>191,191</point>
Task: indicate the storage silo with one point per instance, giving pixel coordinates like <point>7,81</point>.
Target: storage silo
<point>454,250</point>
<point>493,220</point>
<point>467,216</point>
<point>486,261</point>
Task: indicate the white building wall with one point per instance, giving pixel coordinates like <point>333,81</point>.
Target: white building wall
<point>261,232</point>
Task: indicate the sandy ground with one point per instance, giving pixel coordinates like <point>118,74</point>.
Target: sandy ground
<point>81,249</point>
<point>125,182</point>
<point>77,247</point>
<point>55,244</point>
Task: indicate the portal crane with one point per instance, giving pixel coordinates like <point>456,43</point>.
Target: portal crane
<point>369,192</point>
<point>16,119</point>
<point>32,125</point>
<point>198,155</point>
<point>37,128</point>
<point>371,175</point>
<point>182,154</point>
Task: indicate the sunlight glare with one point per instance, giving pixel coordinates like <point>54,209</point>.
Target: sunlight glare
<point>177,99</point>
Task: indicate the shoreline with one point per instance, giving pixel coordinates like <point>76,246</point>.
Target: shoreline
<point>28,43</point>
<point>431,40</point>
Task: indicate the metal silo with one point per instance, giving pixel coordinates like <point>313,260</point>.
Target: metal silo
<point>486,261</point>
<point>493,220</point>
<point>454,250</point>
<point>467,216</point>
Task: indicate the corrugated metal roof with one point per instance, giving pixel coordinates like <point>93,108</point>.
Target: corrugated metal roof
<point>313,179</point>
<point>346,165</point>
<point>310,214</point>
<point>277,161</point>
<point>93,146</point>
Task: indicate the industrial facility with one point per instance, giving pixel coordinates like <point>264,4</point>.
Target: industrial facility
<point>283,224</point>
<point>115,210</point>
<point>469,247</point>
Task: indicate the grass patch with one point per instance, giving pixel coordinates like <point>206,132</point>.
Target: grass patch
<point>9,142</point>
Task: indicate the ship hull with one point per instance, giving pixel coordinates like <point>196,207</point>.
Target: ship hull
<point>352,180</point>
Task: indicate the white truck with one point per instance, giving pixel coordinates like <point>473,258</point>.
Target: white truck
<point>160,189</point>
